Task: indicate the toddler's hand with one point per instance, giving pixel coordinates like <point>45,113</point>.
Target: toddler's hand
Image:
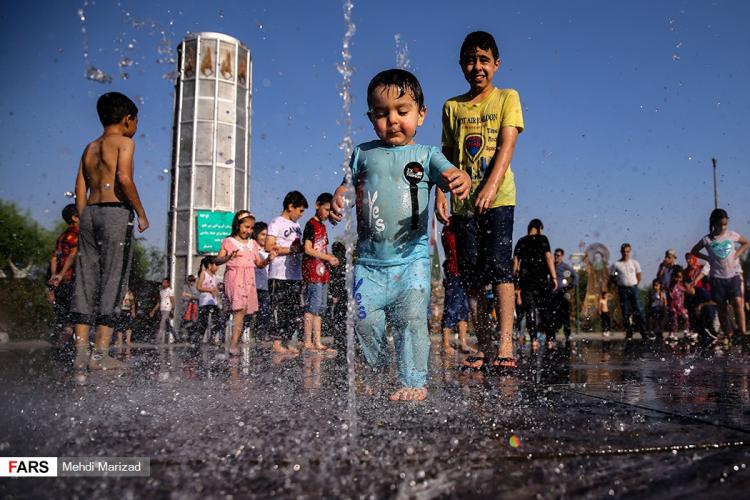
<point>333,261</point>
<point>458,182</point>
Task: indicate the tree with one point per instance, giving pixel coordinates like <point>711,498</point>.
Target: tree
<point>22,240</point>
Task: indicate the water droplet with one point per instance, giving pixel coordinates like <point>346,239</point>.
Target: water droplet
<point>69,194</point>
<point>166,170</point>
<point>97,75</point>
<point>675,57</point>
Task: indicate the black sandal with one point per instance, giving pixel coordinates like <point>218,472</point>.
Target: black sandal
<point>471,360</point>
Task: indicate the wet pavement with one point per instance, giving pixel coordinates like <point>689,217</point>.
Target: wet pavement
<point>590,420</point>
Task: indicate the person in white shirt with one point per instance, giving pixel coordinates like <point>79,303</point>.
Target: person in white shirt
<point>285,272</point>
<point>165,306</point>
<point>627,274</point>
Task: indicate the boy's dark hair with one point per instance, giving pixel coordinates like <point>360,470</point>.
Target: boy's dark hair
<point>258,228</point>
<point>166,279</point>
<point>238,218</point>
<point>399,78</point>
<point>624,246</point>
<point>562,252</point>
<point>535,224</point>
<point>69,212</point>
<point>655,282</point>
<point>112,107</point>
<point>324,198</point>
<point>295,199</point>
<point>480,40</point>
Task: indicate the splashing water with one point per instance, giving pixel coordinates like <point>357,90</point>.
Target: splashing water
<point>347,146</point>
<point>402,53</point>
<point>91,72</point>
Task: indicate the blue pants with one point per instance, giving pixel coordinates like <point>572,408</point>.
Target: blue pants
<point>456,308</point>
<point>630,303</point>
<point>398,295</point>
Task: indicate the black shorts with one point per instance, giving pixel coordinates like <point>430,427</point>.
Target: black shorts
<point>123,321</point>
<point>484,245</point>
<point>725,289</point>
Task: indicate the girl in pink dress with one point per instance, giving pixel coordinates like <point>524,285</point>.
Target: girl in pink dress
<point>241,255</point>
<point>679,313</point>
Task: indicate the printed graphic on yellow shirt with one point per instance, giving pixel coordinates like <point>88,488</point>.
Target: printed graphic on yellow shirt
<point>474,145</point>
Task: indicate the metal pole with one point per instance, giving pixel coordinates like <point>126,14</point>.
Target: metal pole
<point>716,185</point>
<point>578,310</point>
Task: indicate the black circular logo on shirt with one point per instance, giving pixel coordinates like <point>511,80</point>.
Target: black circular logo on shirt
<point>413,172</point>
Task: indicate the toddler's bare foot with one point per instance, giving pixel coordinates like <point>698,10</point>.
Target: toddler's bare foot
<point>310,346</point>
<point>409,394</point>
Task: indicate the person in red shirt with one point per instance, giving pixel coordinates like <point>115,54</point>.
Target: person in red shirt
<point>315,271</point>
<point>62,270</point>
<point>456,305</point>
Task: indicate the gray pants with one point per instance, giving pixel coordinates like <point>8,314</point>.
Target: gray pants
<point>103,262</point>
<point>164,326</point>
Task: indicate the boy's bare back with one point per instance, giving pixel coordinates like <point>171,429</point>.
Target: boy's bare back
<point>106,175</point>
<point>99,166</point>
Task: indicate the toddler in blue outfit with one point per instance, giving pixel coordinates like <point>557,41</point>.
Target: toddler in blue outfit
<point>392,178</point>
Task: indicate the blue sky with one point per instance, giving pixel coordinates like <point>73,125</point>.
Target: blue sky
<point>625,102</point>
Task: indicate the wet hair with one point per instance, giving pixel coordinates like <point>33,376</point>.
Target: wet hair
<point>190,277</point>
<point>624,246</point>
<point>655,282</point>
<point>238,218</point>
<point>166,279</point>
<point>604,293</point>
<point>562,252</point>
<point>68,212</point>
<point>295,199</point>
<point>324,198</point>
<point>258,228</point>
<point>480,40</point>
<point>717,214</point>
<point>399,78</point>
<point>112,107</point>
<point>535,224</point>
<point>206,261</point>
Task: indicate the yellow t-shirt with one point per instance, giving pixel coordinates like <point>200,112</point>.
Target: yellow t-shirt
<point>472,132</point>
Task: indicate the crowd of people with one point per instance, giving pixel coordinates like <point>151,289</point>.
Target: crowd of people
<point>279,276</point>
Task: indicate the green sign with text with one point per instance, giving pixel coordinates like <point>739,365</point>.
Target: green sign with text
<point>211,228</point>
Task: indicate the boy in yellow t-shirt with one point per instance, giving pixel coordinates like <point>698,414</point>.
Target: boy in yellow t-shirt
<point>480,129</point>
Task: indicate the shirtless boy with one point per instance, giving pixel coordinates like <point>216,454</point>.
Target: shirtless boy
<point>106,198</point>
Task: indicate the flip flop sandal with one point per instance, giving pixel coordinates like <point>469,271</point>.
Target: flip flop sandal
<point>504,366</point>
<point>472,360</point>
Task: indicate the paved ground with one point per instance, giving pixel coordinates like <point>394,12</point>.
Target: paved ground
<point>590,420</point>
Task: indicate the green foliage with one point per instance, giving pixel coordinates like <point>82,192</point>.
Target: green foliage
<point>149,263</point>
<point>22,239</point>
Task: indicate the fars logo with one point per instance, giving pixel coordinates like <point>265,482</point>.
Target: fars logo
<point>28,466</point>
